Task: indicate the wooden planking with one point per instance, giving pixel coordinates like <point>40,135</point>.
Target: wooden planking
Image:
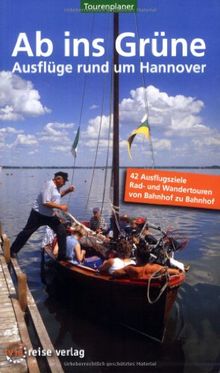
<point>12,318</point>
<point>6,249</point>
<point>9,329</point>
<point>31,360</point>
<point>53,361</point>
<point>16,368</point>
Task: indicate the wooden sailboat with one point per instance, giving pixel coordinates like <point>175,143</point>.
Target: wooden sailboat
<point>126,301</point>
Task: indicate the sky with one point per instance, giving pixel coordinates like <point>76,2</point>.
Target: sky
<point>40,112</point>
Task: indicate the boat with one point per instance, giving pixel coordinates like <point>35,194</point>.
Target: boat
<point>142,305</point>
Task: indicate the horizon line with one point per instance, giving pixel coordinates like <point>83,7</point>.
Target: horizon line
<point>103,167</point>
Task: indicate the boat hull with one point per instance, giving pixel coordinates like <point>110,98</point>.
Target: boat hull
<point>121,301</point>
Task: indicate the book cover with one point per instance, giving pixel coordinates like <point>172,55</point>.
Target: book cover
<point>57,109</point>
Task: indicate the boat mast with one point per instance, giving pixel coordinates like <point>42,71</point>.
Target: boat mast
<point>115,160</point>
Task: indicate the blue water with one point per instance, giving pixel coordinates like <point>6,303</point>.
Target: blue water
<point>193,337</point>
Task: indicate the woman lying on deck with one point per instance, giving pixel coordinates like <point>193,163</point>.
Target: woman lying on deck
<point>122,260</point>
<point>143,269</point>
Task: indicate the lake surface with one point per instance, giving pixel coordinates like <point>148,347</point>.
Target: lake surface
<point>193,336</point>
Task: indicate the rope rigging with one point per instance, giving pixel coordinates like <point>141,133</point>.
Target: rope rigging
<point>145,96</point>
<point>115,209</point>
<point>157,275</point>
<point>97,146</point>
<point>99,137</point>
<point>146,106</point>
<point>83,99</point>
<point>108,152</point>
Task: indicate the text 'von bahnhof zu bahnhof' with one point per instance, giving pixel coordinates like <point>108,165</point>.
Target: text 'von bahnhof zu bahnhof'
<point>159,46</point>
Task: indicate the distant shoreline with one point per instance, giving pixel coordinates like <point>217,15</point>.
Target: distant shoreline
<point>103,167</point>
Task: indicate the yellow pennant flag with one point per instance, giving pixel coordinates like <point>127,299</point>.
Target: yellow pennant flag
<point>143,129</point>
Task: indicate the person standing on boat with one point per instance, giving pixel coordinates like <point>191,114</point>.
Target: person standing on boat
<point>97,222</point>
<point>42,214</point>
